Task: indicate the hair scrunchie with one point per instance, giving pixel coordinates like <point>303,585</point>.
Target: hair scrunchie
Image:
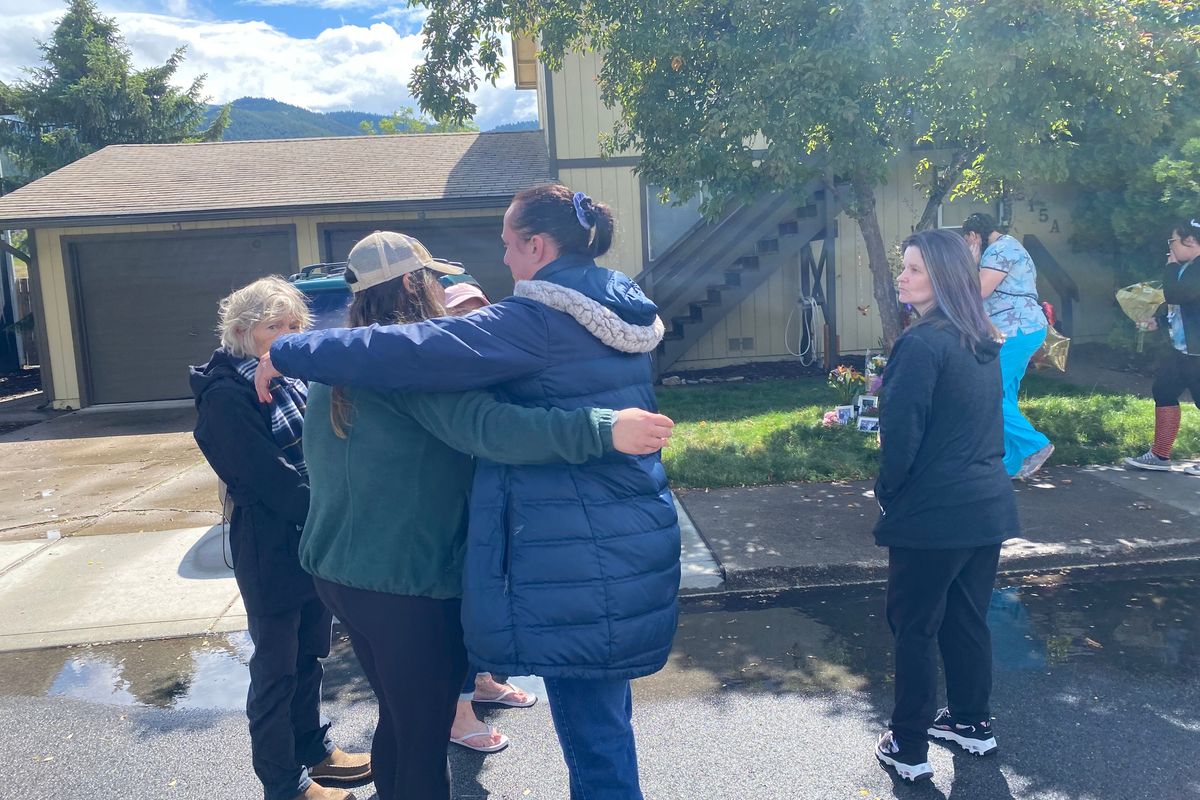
<point>584,211</point>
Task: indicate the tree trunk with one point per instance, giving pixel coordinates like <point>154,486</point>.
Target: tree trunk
<point>882,282</point>
<point>941,185</point>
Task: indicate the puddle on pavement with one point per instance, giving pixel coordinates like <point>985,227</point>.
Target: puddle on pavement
<point>786,642</point>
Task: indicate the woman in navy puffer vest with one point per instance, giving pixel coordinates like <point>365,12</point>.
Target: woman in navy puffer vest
<point>572,572</point>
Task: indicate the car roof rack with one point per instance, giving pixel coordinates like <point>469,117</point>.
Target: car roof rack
<point>325,270</point>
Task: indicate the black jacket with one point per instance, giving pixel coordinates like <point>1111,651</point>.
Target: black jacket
<point>1185,293</point>
<point>942,483</point>
<point>270,496</point>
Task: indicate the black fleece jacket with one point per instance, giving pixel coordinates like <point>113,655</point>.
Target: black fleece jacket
<point>942,483</point>
<point>1184,291</point>
<point>270,497</point>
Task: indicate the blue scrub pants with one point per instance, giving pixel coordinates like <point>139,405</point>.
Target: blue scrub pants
<point>1021,439</point>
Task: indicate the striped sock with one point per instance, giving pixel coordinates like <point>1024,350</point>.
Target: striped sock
<point>1166,428</point>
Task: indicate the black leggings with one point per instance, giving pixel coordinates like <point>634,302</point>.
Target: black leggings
<point>411,649</point>
<point>1178,372</point>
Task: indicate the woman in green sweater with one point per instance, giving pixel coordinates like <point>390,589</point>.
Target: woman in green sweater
<point>387,521</point>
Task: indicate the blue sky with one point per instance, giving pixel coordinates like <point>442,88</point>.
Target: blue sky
<point>325,55</point>
<point>306,21</point>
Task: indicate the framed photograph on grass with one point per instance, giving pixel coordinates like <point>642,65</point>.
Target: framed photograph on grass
<point>868,424</point>
<point>845,414</point>
<point>868,404</point>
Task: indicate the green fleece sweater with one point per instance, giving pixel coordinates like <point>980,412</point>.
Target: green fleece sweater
<point>388,506</point>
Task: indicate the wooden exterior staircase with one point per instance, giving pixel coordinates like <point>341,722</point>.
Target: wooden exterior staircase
<point>718,264</point>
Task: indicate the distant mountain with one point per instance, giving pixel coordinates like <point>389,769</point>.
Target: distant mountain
<point>262,118</point>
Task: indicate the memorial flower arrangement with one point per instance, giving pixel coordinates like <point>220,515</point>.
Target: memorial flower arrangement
<point>847,382</point>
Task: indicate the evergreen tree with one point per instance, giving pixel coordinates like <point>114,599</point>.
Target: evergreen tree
<point>86,95</point>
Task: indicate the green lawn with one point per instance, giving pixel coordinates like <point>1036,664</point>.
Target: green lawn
<point>736,434</point>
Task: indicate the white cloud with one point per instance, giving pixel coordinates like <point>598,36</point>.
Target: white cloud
<point>347,67</point>
<point>404,18</point>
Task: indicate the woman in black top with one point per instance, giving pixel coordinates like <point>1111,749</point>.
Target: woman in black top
<point>946,503</point>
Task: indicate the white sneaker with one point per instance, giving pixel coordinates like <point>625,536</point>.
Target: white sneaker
<point>907,767</point>
<point>1148,460</point>
<point>1192,469</point>
<point>1033,463</point>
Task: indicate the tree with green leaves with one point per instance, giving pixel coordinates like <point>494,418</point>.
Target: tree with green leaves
<point>741,97</point>
<point>86,94</point>
<point>409,120</point>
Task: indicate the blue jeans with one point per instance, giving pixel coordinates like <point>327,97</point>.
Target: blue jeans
<point>593,719</point>
<point>284,701</point>
<point>1021,439</point>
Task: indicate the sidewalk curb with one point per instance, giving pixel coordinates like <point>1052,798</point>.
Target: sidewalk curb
<point>875,572</point>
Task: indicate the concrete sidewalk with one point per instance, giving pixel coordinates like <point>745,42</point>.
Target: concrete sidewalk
<point>116,587</point>
<point>820,534</point>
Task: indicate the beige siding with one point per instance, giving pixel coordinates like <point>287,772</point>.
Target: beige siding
<point>53,274</point>
<point>579,115</point>
<point>60,349</point>
<point>543,119</point>
<point>1045,211</point>
<point>620,188</point>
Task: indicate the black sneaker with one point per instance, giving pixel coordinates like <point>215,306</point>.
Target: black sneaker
<point>907,767</point>
<point>977,738</point>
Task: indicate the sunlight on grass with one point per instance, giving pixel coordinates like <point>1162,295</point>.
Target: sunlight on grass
<point>770,431</point>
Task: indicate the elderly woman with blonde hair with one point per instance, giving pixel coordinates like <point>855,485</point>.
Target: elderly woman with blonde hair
<point>256,450</point>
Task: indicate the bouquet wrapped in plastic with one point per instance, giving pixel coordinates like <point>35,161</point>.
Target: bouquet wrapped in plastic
<point>1140,302</point>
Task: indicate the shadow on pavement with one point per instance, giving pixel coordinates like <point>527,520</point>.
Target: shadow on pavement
<point>98,422</point>
<point>1080,667</point>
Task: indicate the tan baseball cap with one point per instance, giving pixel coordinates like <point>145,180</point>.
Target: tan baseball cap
<point>385,255</point>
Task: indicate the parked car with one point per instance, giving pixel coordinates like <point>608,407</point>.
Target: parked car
<point>329,295</point>
<point>327,292</point>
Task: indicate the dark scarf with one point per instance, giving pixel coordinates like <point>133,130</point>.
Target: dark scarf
<point>288,399</point>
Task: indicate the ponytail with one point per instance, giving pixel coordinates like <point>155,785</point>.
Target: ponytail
<point>577,223</point>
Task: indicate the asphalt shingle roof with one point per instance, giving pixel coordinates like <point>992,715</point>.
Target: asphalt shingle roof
<point>224,179</point>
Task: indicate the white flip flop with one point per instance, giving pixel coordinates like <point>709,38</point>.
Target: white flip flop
<point>501,701</point>
<point>487,748</point>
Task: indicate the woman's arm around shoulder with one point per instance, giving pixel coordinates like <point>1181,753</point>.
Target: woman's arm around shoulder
<point>477,423</point>
<point>498,343</point>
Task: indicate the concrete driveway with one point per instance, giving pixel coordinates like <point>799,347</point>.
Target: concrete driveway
<point>139,551</point>
<point>105,471</point>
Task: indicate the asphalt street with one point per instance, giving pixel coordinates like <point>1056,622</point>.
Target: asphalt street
<point>770,696</point>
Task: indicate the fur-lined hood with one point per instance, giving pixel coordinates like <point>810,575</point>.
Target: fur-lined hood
<point>607,303</point>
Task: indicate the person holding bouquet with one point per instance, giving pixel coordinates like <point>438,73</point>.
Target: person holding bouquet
<point>1180,370</point>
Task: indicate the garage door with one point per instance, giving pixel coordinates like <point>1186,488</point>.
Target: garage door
<point>475,243</point>
<point>148,305</point>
